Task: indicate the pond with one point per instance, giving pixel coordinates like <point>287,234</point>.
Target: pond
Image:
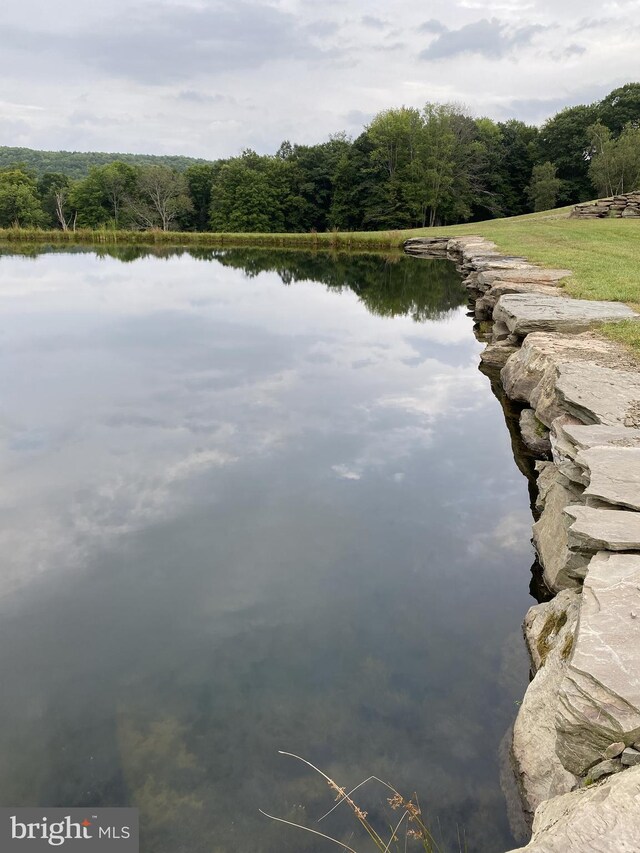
<point>255,501</point>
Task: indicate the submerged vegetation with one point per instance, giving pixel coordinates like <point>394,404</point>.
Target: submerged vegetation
<point>409,168</point>
<point>405,827</point>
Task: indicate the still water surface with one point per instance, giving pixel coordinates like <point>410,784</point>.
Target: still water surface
<point>254,501</point>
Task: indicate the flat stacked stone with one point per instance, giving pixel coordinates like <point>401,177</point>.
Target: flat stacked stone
<point>586,495</point>
<point>614,474</point>
<point>523,313</point>
<point>593,528</point>
<point>522,272</point>
<point>595,394</point>
<point>627,206</point>
<point>568,391</point>
<point>564,566</point>
<point>433,247</point>
<point>486,302</point>
<point>548,630</point>
<point>578,437</point>
<point>558,374</point>
<point>602,818</point>
<point>572,444</point>
<point>600,692</point>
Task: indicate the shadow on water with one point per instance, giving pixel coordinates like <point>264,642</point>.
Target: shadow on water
<point>263,518</point>
<point>389,285</point>
<point>525,460</point>
<point>523,457</point>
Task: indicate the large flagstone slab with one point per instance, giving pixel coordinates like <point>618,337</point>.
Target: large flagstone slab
<point>603,818</point>
<point>523,313</point>
<point>600,692</point>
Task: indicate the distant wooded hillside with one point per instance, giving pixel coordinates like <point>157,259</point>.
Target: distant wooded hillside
<point>76,164</point>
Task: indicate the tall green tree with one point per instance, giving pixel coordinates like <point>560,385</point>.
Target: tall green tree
<point>118,182</point>
<point>244,199</point>
<point>200,179</point>
<point>397,138</point>
<point>565,141</point>
<point>488,201</point>
<point>615,163</point>
<point>19,201</point>
<point>447,171</point>
<point>470,158</point>
<point>355,185</point>
<point>90,202</point>
<point>545,187</point>
<point>311,174</point>
<point>515,165</point>
<point>53,190</point>
<point>620,108</point>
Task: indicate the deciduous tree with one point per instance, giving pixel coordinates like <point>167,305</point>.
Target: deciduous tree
<point>161,195</point>
<point>615,163</point>
<point>19,201</point>
<point>544,187</point>
<point>565,141</point>
<point>243,198</point>
<point>53,189</point>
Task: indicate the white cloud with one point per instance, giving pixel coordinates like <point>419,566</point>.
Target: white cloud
<point>345,473</point>
<point>209,78</point>
<point>251,370</point>
<point>509,533</point>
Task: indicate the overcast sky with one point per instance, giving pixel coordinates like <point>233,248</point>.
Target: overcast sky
<point>208,78</point>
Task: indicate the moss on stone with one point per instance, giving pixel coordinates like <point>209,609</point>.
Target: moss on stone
<point>552,626</point>
<point>541,430</point>
<point>567,647</point>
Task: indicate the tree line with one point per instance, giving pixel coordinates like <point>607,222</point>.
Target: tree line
<point>76,164</point>
<point>408,168</point>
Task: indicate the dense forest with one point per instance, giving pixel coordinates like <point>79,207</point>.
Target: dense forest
<point>76,164</point>
<point>409,168</point>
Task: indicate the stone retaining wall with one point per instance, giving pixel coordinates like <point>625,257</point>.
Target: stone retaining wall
<point>576,739</point>
<point>626,206</point>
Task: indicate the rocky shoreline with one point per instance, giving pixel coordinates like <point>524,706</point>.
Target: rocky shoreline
<point>575,747</point>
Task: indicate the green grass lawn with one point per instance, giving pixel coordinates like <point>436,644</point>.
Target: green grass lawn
<point>603,254</point>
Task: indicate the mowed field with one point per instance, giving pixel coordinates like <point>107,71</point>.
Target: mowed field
<point>603,254</point>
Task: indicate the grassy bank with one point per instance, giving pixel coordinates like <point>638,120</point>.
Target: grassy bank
<point>603,254</point>
<point>109,237</point>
